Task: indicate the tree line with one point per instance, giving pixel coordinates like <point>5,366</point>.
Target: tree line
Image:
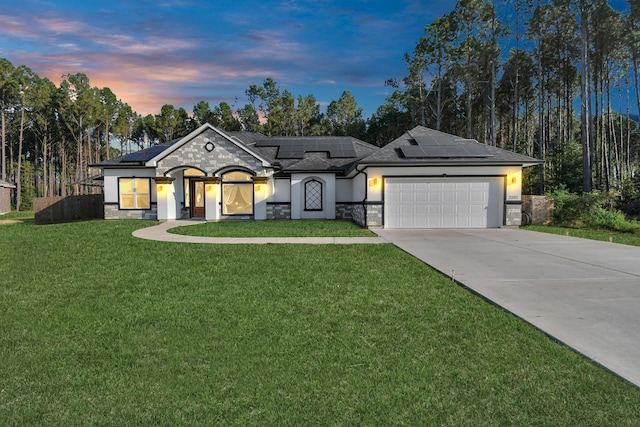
<point>551,79</point>
<point>51,135</point>
<point>555,79</point>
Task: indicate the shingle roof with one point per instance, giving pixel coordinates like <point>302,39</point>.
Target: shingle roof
<point>137,158</point>
<point>419,146</point>
<point>317,153</point>
<point>422,145</point>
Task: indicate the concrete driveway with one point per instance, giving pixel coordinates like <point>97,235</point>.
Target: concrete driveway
<point>584,293</point>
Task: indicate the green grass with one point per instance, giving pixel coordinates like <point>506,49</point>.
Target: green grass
<point>100,328</point>
<point>275,228</point>
<point>17,215</point>
<point>603,235</point>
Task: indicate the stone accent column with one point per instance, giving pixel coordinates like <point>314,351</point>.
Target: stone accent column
<point>513,213</point>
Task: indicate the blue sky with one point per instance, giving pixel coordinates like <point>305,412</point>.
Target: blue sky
<point>179,52</point>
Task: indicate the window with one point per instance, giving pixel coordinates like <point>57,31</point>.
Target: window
<point>237,193</point>
<point>134,193</point>
<point>313,195</point>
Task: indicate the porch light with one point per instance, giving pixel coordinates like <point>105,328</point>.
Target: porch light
<point>161,181</point>
<point>373,182</point>
<point>258,182</point>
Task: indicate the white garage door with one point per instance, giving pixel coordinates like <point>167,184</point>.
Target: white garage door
<point>442,203</point>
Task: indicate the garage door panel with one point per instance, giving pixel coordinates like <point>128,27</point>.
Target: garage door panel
<point>441,203</point>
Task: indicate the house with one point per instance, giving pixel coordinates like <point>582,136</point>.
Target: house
<point>423,179</point>
<point>5,196</point>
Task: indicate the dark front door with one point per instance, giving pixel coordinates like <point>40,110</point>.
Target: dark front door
<point>196,194</point>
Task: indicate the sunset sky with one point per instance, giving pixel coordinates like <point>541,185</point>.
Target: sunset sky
<point>179,52</point>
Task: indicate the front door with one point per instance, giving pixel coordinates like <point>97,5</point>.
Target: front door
<point>196,194</point>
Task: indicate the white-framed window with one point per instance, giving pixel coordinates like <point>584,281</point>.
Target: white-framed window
<point>134,193</point>
<point>237,193</point>
<point>313,195</point>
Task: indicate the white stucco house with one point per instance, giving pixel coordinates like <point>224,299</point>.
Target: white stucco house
<point>423,179</point>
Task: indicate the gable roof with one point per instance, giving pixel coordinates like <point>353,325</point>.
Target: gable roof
<point>173,147</point>
<point>424,146</point>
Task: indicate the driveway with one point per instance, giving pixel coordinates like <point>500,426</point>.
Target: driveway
<point>584,293</point>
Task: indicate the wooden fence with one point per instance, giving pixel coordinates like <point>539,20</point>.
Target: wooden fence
<point>53,210</point>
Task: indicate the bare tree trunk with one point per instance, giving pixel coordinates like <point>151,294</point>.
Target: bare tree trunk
<point>3,175</point>
<point>585,114</point>
<point>20,138</point>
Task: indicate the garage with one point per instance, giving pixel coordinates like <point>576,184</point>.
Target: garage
<point>443,202</point>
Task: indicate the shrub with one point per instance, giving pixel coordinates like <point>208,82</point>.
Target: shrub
<point>570,209</point>
<point>588,211</point>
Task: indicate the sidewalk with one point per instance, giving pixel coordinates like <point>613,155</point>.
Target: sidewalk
<point>159,233</point>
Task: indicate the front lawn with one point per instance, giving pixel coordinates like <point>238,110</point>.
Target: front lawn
<point>603,235</point>
<point>100,328</point>
<point>275,228</point>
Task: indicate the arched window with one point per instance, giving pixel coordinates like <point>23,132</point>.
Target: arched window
<point>237,193</point>
<point>313,195</point>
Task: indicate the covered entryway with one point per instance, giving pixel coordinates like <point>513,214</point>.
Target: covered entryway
<point>443,202</point>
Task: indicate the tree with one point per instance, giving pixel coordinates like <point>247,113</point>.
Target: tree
<point>8,92</point>
<point>346,116</point>
<point>109,106</point>
<point>307,112</point>
<point>171,123</point>
<point>25,79</point>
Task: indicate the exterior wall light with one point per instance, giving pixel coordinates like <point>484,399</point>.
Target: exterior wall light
<point>258,182</point>
<point>373,182</point>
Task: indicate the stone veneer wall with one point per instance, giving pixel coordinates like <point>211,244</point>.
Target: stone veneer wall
<point>374,214</point>
<point>358,215</point>
<point>344,210</point>
<point>513,214</point>
<point>536,209</point>
<point>278,210</point>
<point>111,211</point>
<point>225,154</point>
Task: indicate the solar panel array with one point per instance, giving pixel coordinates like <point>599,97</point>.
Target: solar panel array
<point>428,146</point>
<point>296,149</point>
<point>145,155</point>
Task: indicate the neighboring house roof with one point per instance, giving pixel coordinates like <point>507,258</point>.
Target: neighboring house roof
<point>423,146</point>
<point>5,184</point>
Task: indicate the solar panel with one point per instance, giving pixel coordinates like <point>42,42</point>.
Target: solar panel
<point>428,140</point>
<point>296,148</point>
<point>145,155</point>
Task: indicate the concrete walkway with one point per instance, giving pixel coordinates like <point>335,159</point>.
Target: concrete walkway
<point>159,233</point>
<point>583,293</point>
